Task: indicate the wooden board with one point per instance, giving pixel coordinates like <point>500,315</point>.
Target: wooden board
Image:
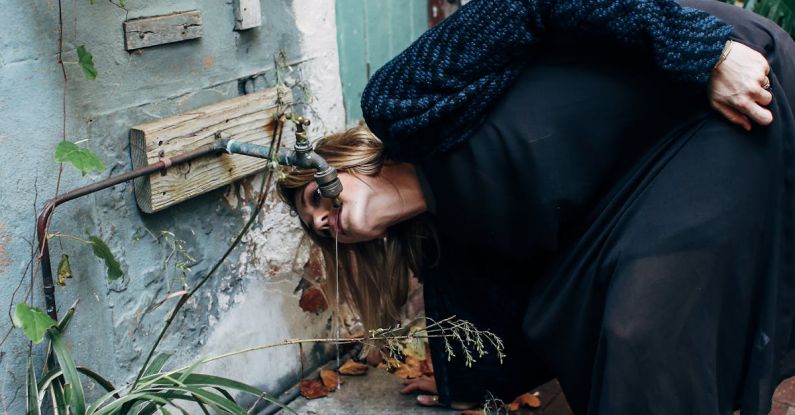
<point>157,30</point>
<point>248,118</point>
<point>248,14</point>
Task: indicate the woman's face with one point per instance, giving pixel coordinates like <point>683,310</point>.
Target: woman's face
<point>352,222</point>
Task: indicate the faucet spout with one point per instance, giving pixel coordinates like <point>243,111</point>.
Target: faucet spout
<point>325,175</point>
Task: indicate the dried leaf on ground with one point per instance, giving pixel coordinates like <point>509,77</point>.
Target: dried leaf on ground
<point>353,368</point>
<point>472,412</point>
<point>407,372</point>
<point>313,389</point>
<point>413,362</point>
<point>330,379</point>
<point>529,400</point>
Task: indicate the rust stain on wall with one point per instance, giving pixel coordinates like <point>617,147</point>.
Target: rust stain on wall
<point>208,62</point>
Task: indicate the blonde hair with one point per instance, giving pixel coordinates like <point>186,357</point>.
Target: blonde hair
<point>373,275</point>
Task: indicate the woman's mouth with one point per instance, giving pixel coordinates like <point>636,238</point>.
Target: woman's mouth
<point>335,222</point>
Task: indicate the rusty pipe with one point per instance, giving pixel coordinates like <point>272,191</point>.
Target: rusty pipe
<point>43,220</point>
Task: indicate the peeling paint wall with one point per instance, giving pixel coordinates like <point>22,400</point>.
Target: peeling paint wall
<point>253,299</point>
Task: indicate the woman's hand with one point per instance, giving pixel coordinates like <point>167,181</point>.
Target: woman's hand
<point>427,384</point>
<point>736,87</point>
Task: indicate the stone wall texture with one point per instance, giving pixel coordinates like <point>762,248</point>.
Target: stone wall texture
<point>254,298</point>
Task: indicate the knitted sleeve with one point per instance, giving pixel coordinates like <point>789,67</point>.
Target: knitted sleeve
<point>432,95</point>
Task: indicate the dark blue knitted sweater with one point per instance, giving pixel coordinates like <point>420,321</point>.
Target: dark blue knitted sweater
<point>434,93</point>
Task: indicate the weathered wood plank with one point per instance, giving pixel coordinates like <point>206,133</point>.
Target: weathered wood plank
<point>248,14</point>
<point>157,30</point>
<point>248,118</point>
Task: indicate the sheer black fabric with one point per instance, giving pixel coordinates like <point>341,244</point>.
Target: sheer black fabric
<point>621,236</point>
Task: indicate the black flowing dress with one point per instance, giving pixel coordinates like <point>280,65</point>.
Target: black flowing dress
<point>620,235</point>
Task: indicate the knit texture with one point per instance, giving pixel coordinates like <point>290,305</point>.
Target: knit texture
<point>435,93</point>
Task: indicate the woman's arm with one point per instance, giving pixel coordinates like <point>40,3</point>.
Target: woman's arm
<point>686,42</point>
<point>444,82</point>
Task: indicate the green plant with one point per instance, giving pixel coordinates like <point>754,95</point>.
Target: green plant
<point>780,11</point>
<point>166,390</point>
<point>157,390</point>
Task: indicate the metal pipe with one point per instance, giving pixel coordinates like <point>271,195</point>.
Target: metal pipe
<point>301,156</point>
<point>43,220</point>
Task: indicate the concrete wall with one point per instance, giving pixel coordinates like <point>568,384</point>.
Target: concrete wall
<point>252,299</point>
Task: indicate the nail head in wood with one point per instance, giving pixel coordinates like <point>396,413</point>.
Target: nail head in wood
<point>151,31</point>
<point>248,14</point>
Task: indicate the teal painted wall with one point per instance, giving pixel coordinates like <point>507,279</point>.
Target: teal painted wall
<point>369,34</point>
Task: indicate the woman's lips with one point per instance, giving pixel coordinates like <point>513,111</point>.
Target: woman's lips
<point>335,222</point>
<point>338,222</point>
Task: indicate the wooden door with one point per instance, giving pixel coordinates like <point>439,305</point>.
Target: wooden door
<point>369,34</point>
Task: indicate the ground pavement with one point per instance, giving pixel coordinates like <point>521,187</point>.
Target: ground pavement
<point>377,393</point>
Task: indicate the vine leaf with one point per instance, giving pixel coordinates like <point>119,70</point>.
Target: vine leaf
<point>86,61</point>
<point>33,322</point>
<point>82,159</point>
<point>102,252</point>
<point>64,270</point>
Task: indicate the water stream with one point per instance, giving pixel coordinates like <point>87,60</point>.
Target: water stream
<point>337,320</point>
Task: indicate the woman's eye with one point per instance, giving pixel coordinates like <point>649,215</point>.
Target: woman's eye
<point>316,198</point>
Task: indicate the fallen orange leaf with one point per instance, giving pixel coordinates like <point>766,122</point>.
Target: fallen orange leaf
<point>353,368</point>
<point>471,412</point>
<point>406,372</point>
<point>312,389</point>
<point>329,378</point>
<point>413,362</point>
<point>512,407</point>
<point>527,399</point>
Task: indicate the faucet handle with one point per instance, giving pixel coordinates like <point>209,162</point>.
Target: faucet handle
<point>300,123</point>
<point>300,129</point>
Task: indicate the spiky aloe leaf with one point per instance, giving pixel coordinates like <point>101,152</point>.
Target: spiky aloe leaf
<point>780,11</point>
<point>77,401</point>
<point>32,391</point>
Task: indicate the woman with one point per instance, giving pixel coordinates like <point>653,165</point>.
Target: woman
<point>588,205</point>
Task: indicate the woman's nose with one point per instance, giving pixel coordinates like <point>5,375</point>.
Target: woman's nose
<point>321,221</point>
